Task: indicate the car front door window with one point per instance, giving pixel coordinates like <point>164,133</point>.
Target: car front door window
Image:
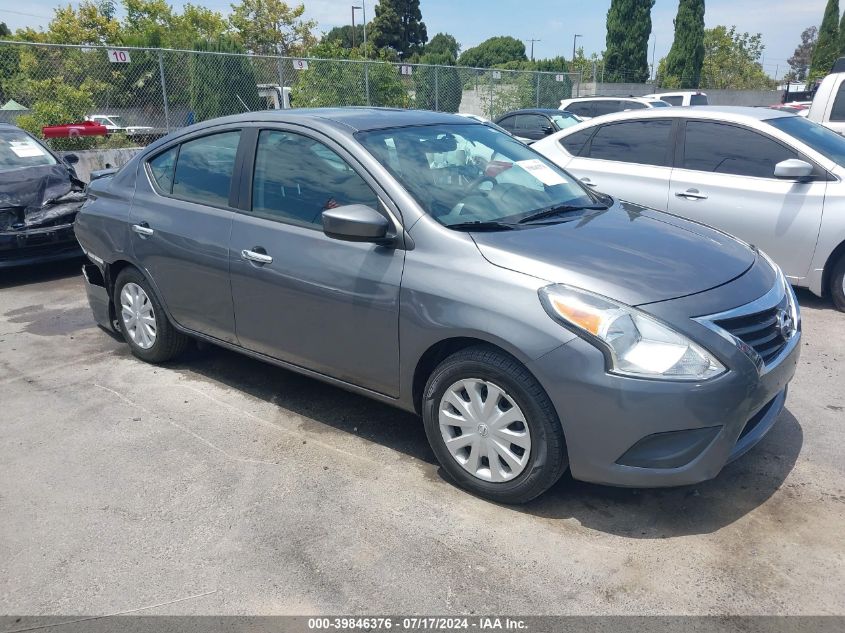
<point>729,149</point>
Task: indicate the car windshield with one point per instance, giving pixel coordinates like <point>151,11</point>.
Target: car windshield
<point>563,121</point>
<point>462,174</point>
<point>826,142</point>
<point>18,150</point>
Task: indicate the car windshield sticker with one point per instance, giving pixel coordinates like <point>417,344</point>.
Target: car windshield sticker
<point>542,172</point>
<point>26,148</point>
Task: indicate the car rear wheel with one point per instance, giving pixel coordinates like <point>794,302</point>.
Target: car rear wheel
<point>837,284</point>
<point>492,426</point>
<point>142,321</point>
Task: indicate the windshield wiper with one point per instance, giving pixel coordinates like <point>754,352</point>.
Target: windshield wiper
<point>559,209</point>
<point>478,225</point>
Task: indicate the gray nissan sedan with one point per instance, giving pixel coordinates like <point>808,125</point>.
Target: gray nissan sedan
<point>441,266</point>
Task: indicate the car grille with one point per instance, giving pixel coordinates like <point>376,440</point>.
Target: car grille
<point>760,331</point>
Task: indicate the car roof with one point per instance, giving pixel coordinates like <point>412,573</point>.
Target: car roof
<point>720,113</point>
<point>618,98</point>
<point>533,111</point>
<point>356,119</point>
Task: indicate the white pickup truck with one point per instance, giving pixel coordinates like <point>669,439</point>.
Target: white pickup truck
<point>828,107</point>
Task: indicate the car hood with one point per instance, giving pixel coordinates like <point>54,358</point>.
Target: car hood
<point>38,196</point>
<point>629,253</point>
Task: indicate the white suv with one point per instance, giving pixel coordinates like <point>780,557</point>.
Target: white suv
<point>681,98</point>
<point>590,107</point>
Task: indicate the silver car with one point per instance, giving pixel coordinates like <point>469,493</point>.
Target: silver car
<point>440,265</point>
<point>770,178</point>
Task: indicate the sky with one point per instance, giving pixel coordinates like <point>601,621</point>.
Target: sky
<point>553,22</point>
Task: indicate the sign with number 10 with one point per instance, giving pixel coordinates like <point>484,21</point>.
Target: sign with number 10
<point>118,57</point>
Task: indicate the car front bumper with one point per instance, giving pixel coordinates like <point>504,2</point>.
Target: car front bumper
<point>633,432</point>
<point>38,245</point>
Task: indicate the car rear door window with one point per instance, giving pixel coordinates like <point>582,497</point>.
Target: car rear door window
<point>729,149</point>
<point>675,100</point>
<point>296,178</point>
<point>204,169</point>
<point>641,142</point>
<point>574,143</point>
<point>698,100</point>
<point>161,168</point>
<point>605,106</point>
<point>837,113</point>
<point>581,108</point>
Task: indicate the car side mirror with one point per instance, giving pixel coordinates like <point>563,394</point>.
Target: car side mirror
<point>793,169</point>
<point>71,159</point>
<point>355,223</point>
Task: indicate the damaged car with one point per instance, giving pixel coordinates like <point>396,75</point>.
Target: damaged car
<point>40,196</point>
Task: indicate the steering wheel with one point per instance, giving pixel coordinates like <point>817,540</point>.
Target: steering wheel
<point>475,184</point>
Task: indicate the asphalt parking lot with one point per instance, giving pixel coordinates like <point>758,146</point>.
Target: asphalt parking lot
<point>221,485</point>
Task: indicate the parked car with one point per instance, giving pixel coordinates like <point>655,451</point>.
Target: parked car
<point>590,107</point>
<point>114,124</point>
<point>541,325</point>
<point>39,198</point>
<point>771,178</point>
<point>532,124</point>
<point>828,105</point>
<point>483,120</point>
<point>681,98</point>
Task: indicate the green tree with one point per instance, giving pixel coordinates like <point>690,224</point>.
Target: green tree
<point>437,83</point>
<point>799,63</point>
<point>443,44</point>
<point>628,30</point>
<point>328,83</point>
<point>343,35</point>
<point>686,57</point>
<point>732,60</point>
<point>271,27</point>
<point>842,35</point>
<point>496,50</point>
<point>221,85</point>
<point>4,30</point>
<point>398,25</point>
<point>827,47</point>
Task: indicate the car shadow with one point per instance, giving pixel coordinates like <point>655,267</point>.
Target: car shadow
<point>637,513</point>
<point>807,299</point>
<point>39,273</point>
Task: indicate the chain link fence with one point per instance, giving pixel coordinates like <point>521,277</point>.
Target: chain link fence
<point>145,93</point>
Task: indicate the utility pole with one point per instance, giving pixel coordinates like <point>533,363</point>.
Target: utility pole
<point>532,47</point>
<point>653,53</point>
<point>353,26</point>
<point>574,40</point>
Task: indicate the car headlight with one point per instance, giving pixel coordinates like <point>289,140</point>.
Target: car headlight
<point>635,343</point>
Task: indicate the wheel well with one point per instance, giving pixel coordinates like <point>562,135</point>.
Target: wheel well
<point>834,258</point>
<point>432,358</point>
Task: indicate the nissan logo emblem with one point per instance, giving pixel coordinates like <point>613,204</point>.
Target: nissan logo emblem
<point>785,324</point>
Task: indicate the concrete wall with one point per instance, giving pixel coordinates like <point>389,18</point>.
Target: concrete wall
<point>94,159</point>
<point>716,97</point>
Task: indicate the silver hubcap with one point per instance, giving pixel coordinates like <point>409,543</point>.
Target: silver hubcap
<point>139,320</point>
<point>484,430</point>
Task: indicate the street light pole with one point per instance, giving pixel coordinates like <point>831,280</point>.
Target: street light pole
<point>574,40</point>
<point>353,25</point>
<point>653,53</point>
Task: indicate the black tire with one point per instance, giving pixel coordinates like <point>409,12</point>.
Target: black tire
<point>547,458</point>
<point>837,284</point>
<point>169,342</point>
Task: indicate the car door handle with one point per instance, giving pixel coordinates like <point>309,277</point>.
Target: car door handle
<point>691,194</point>
<point>258,258</point>
<point>143,229</point>
<point>589,183</point>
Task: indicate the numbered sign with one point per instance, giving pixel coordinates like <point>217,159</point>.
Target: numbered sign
<point>497,74</point>
<point>559,77</point>
<point>118,57</point>
<point>300,64</point>
<point>406,70</point>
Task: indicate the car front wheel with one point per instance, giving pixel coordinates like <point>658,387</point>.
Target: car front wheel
<point>492,426</point>
<point>142,321</point>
